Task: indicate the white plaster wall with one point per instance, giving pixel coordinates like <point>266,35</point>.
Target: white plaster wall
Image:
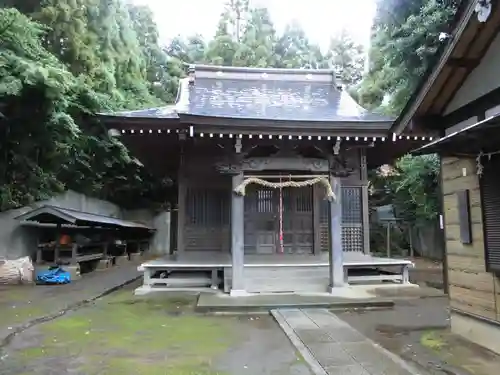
<point>16,241</point>
<point>483,79</point>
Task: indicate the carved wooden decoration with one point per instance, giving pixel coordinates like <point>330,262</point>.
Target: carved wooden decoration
<point>285,164</point>
<point>286,159</point>
<point>340,166</point>
<point>229,166</point>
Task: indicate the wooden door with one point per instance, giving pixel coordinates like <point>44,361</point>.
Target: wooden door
<point>262,220</point>
<point>298,227</point>
<point>261,212</point>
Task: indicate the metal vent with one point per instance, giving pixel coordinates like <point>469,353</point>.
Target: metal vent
<point>490,194</point>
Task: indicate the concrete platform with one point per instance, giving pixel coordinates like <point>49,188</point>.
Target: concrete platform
<point>217,259</point>
<point>266,302</point>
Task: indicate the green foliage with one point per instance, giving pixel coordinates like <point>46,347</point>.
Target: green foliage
<point>411,186</point>
<point>415,188</point>
<point>404,43</point>
<point>53,74</point>
<point>61,61</point>
<point>347,58</point>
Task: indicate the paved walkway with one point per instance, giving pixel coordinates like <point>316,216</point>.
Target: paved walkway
<point>331,346</point>
<point>25,305</point>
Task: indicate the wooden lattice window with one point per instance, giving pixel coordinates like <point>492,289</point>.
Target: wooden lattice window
<point>207,207</point>
<point>352,220</point>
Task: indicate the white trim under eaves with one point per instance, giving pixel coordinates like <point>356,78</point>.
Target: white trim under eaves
<point>442,62</point>
<point>461,125</point>
<point>492,111</point>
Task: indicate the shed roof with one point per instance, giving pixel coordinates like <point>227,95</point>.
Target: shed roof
<point>291,95</point>
<point>59,215</point>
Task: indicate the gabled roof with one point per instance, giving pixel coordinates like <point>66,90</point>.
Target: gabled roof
<point>262,94</point>
<point>58,215</point>
<point>468,42</point>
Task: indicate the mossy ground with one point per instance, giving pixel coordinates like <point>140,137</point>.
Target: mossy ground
<point>123,334</point>
<point>432,340</point>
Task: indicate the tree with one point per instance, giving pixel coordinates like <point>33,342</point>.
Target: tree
<point>404,42</point>
<point>258,41</point>
<point>34,143</point>
<point>162,74</point>
<point>295,50</point>
<point>235,16</point>
<point>54,146</point>
<point>189,50</point>
<point>346,58</point>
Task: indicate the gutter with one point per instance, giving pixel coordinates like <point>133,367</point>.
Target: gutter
<point>401,125</point>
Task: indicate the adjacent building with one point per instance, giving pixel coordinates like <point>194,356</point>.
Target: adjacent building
<point>460,102</point>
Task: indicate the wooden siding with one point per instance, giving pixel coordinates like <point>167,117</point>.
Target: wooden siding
<point>205,220</point>
<point>471,288</point>
<point>205,204</point>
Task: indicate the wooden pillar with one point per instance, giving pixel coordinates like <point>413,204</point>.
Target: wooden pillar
<point>317,200</point>
<point>336,253</point>
<point>365,203</point>
<point>181,211</point>
<point>237,238</point>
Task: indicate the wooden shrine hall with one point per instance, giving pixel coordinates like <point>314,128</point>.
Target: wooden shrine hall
<point>270,169</point>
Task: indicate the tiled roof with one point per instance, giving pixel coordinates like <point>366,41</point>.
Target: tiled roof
<point>275,100</point>
<point>262,94</point>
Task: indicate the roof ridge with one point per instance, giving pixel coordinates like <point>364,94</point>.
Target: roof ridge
<point>247,69</point>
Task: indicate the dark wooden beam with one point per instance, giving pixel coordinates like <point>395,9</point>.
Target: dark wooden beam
<point>461,62</point>
<point>426,123</point>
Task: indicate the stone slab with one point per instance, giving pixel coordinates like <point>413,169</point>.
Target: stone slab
<point>338,348</point>
<point>347,370</point>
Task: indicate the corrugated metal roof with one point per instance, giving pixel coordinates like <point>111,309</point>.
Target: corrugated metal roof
<point>59,215</point>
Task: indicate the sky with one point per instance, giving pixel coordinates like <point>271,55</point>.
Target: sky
<point>320,19</point>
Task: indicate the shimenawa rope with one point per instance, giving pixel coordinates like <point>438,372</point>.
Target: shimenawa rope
<point>240,189</point>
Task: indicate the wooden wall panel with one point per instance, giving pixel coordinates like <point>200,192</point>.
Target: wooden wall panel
<point>472,289</point>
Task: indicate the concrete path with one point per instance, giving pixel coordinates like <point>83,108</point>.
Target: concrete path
<point>331,346</point>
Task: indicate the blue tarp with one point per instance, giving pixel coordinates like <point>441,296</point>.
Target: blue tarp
<point>55,275</point>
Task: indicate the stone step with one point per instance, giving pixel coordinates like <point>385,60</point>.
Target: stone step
<point>219,303</point>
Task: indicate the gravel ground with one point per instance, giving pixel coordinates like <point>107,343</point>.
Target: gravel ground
<point>417,330</point>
